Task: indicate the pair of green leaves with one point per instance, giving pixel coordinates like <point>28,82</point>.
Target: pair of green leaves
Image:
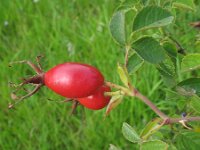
<point>191,86</point>
<point>143,139</point>
<point>183,141</point>
<point>131,135</point>
<point>149,17</point>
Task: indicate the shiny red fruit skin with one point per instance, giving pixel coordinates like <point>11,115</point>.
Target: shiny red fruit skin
<point>73,80</point>
<point>97,100</point>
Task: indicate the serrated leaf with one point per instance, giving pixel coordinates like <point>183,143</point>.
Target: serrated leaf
<point>188,141</point>
<point>123,74</point>
<point>154,145</point>
<point>113,147</point>
<point>149,49</point>
<point>195,103</point>
<point>117,27</point>
<point>185,4</point>
<point>151,128</point>
<point>134,63</point>
<point>189,87</point>
<point>129,133</point>
<point>114,102</point>
<point>190,62</point>
<point>152,17</point>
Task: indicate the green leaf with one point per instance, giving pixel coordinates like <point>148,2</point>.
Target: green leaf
<point>113,147</point>
<point>189,87</point>
<point>123,74</point>
<point>151,128</point>
<point>185,4</point>
<point>114,102</point>
<point>149,49</point>
<point>195,103</point>
<point>154,145</point>
<point>134,63</point>
<point>152,17</point>
<point>191,62</point>
<point>129,133</point>
<point>188,141</point>
<point>167,71</point>
<point>117,27</point>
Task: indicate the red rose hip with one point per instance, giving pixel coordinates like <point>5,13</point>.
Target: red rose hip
<point>97,100</point>
<point>73,80</point>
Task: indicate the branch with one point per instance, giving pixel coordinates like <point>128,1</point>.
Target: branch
<point>150,104</point>
<point>167,120</point>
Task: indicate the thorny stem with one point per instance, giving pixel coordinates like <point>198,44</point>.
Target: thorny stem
<point>166,119</point>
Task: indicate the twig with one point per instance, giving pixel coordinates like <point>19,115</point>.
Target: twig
<point>166,119</point>
<point>150,104</point>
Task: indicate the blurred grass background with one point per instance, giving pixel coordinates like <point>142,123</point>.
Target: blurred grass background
<point>70,31</point>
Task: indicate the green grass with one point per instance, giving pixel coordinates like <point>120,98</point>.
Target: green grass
<point>65,31</point>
